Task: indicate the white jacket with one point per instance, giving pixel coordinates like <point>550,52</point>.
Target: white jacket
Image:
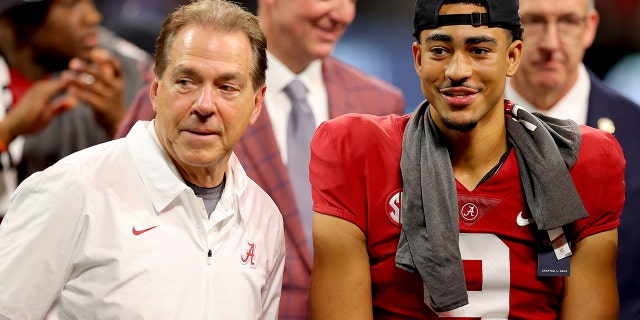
<point>113,232</point>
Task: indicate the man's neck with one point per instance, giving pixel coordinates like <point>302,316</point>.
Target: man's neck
<point>474,153</point>
<point>23,60</point>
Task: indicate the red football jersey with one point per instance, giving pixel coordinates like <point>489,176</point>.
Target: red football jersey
<point>355,175</point>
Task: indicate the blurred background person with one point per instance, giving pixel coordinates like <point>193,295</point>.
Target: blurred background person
<point>553,80</point>
<point>52,39</point>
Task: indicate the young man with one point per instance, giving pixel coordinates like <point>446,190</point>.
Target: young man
<point>301,35</point>
<point>470,207</point>
<point>59,41</point>
<point>553,80</point>
<point>163,224</point>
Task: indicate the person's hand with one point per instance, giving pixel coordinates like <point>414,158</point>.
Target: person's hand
<point>100,84</point>
<point>36,109</point>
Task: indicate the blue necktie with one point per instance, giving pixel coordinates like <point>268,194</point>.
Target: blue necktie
<point>300,130</point>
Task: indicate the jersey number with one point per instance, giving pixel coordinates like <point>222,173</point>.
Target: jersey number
<point>493,301</point>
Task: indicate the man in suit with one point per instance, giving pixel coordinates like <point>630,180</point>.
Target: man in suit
<point>553,80</point>
<point>301,34</point>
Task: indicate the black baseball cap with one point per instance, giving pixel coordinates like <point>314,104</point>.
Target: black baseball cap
<point>8,4</point>
<point>500,13</point>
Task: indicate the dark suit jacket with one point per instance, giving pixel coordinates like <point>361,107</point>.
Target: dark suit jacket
<point>349,91</point>
<point>604,102</point>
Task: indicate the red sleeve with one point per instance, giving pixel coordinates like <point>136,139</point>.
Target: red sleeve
<point>355,165</point>
<point>599,179</point>
<point>329,176</point>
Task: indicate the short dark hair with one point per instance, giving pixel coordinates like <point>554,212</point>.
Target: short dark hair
<point>216,15</point>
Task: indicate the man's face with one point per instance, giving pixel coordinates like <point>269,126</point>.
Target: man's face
<point>308,28</point>
<point>205,98</point>
<point>463,70</point>
<point>69,30</point>
<point>556,35</point>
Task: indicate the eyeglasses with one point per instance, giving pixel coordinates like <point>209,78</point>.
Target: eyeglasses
<point>567,26</point>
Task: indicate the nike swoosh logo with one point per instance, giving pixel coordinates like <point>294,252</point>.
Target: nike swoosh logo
<point>139,232</point>
<point>522,221</point>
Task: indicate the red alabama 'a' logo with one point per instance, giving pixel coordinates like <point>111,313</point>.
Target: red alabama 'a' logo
<point>249,256</point>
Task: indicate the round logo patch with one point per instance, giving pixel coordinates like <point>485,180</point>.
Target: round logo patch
<point>469,212</point>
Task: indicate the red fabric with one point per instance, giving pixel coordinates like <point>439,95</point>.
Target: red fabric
<point>19,85</point>
<point>355,173</point>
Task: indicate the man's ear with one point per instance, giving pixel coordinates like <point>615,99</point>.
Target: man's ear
<point>258,102</point>
<point>153,94</point>
<point>416,48</point>
<point>513,57</point>
<point>591,26</point>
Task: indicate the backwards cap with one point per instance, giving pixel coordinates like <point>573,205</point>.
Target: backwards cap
<point>500,13</point>
<point>8,4</point>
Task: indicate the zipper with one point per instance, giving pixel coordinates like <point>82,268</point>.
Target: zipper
<point>209,287</point>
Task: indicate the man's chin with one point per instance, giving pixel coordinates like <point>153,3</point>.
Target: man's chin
<point>322,49</point>
<point>549,85</point>
<point>545,81</point>
<point>550,79</point>
<point>461,126</point>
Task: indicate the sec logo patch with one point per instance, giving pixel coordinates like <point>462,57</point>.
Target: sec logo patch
<point>393,207</point>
